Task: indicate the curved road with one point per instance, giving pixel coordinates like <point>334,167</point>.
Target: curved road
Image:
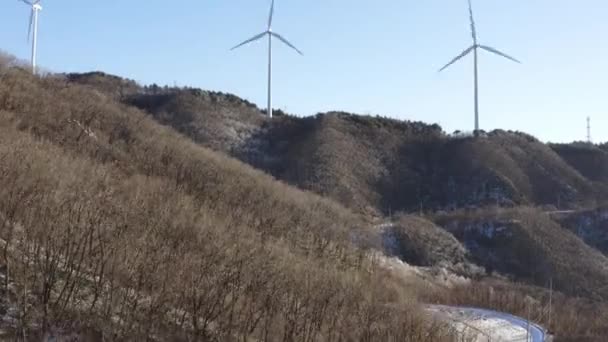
<point>497,326</point>
<point>488,324</point>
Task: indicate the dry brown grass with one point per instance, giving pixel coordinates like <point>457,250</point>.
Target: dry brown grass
<point>118,227</point>
<point>372,165</point>
<point>531,247</point>
<point>590,160</point>
<point>590,225</point>
<point>423,243</point>
<point>569,319</point>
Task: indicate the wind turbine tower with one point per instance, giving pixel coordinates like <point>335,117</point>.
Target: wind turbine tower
<point>32,32</point>
<point>474,48</point>
<point>270,35</point>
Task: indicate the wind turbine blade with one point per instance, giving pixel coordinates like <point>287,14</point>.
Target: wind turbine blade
<point>28,2</point>
<point>29,27</point>
<point>250,40</point>
<point>464,53</point>
<point>287,42</point>
<point>502,54</point>
<point>472,18</point>
<point>271,14</point>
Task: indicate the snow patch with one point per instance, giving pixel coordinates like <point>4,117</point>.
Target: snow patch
<point>486,325</point>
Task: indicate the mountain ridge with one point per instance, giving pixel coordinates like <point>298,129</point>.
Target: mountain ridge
<point>282,211</point>
<point>375,164</point>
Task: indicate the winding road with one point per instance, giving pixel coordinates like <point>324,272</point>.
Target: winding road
<point>487,325</point>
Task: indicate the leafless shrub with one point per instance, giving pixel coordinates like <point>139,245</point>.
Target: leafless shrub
<point>137,234</point>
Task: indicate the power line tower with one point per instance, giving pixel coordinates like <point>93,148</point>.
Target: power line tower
<point>589,130</point>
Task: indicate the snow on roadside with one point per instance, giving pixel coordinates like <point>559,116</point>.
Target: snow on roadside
<point>485,325</point>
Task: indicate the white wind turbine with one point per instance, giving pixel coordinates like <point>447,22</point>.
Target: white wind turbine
<point>270,35</point>
<point>33,28</point>
<point>473,48</point>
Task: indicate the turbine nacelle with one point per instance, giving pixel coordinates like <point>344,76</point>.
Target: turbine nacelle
<point>476,45</point>
<point>483,47</point>
<point>269,32</point>
<point>37,7</point>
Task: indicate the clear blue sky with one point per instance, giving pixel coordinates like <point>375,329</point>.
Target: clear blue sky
<point>362,56</point>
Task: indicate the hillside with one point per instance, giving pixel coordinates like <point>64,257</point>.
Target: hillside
<point>387,165</point>
<point>136,212</point>
<point>590,225</point>
<point>529,246</point>
<point>420,242</point>
<point>375,165</point>
<point>220,121</point>
<point>117,228</point>
<point>590,160</point>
